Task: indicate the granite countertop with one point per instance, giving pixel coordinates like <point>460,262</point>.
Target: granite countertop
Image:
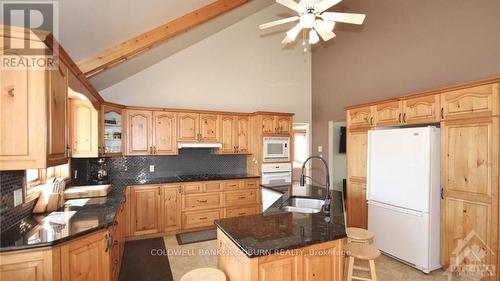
<point>276,230</point>
<point>96,214</point>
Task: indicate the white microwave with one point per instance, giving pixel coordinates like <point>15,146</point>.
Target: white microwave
<point>276,149</point>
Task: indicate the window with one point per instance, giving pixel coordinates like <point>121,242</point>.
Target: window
<point>36,178</point>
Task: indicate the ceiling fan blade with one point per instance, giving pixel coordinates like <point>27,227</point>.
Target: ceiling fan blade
<point>325,5</point>
<point>322,31</point>
<point>292,33</point>
<point>278,22</point>
<point>289,4</point>
<point>344,17</point>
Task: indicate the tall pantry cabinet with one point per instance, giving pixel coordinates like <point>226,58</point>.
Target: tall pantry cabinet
<point>469,119</point>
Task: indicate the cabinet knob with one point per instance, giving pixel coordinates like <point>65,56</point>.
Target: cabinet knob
<point>442,112</point>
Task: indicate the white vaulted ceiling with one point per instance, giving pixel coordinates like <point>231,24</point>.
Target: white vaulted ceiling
<point>87,27</point>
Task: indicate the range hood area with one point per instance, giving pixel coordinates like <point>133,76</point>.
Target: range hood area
<point>199,145</point>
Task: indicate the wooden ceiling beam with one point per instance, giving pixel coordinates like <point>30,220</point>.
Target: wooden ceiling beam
<point>135,46</point>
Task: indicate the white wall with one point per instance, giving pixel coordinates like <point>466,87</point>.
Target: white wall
<point>237,69</point>
<point>337,161</point>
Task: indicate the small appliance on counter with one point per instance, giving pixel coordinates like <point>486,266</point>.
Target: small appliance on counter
<point>99,172</point>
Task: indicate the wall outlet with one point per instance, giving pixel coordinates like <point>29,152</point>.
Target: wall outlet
<point>320,149</point>
<point>18,197</point>
<point>151,168</point>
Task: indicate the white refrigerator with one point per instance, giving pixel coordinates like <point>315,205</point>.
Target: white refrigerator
<point>403,193</point>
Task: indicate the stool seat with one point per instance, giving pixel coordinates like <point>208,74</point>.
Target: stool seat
<point>205,274</point>
<point>357,233</point>
<point>362,251</point>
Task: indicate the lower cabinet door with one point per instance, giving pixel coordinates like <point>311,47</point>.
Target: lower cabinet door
<point>324,264</point>
<point>171,207</point>
<point>31,265</point>
<point>87,258</point>
<point>145,202</point>
<point>286,269</point>
<point>357,209</point>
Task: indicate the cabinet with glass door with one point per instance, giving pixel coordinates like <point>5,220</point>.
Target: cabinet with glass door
<point>111,131</point>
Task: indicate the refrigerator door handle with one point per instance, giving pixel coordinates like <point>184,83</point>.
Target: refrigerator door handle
<point>396,209</point>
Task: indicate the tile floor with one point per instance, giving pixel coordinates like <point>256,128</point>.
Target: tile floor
<point>187,257</point>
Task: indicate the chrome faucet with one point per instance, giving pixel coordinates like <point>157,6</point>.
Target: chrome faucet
<point>326,207</point>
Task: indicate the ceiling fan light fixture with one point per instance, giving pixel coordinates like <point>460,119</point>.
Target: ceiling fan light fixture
<point>313,37</point>
<point>307,20</point>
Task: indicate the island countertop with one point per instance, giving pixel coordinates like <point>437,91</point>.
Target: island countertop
<point>276,230</point>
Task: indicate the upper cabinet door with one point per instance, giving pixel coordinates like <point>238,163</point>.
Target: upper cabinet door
<point>209,124</point>
<point>472,102</point>
<point>421,110</point>
<point>164,133</point>
<point>188,126</point>
<point>112,131</point>
<point>57,114</point>
<point>228,138</point>
<point>360,117</point>
<point>268,124</point>
<point>83,130</point>
<point>21,98</point>
<point>242,134</point>
<point>284,125</point>
<point>139,132</point>
<point>388,113</point>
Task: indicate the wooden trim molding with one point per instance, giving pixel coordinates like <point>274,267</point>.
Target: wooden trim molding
<point>431,92</point>
<point>126,50</point>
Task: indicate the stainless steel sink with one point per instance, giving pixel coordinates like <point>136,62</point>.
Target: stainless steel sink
<point>303,205</point>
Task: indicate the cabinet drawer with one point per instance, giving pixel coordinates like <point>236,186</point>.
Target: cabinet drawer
<point>241,211</point>
<point>213,186</point>
<point>192,188</point>
<point>249,184</point>
<point>243,197</point>
<point>232,185</point>
<point>200,218</point>
<point>201,201</point>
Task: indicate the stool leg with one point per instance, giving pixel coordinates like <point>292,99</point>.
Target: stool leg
<point>373,273</point>
<point>350,269</point>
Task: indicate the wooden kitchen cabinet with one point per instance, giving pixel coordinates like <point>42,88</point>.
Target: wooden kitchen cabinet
<point>151,132</point>
<point>469,169</point>
<point>37,137</point>
<point>357,151</point>
<point>388,113</point>
<point>357,208</point>
<point>164,133</point>
<point>209,128</point>
<point>421,110</point>
<point>196,127</point>
<point>139,130</point>
<point>171,207</point>
<point>111,130</point>
<point>57,111</point>
<point>473,102</point>
<point>235,134</point>
<point>188,127</point>
<point>360,117</point>
<point>30,265</point>
<point>145,209</point>
<point>84,131</point>
<point>87,258</point>
<point>276,125</point>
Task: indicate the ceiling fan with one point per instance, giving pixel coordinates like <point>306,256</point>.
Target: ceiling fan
<point>313,18</point>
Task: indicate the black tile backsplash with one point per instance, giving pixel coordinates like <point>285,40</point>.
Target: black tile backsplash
<point>10,215</point>
<point>188,162</point>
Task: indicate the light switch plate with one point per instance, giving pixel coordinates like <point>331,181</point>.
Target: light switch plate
<point>320,148</point>
<point>18,197</point>
<point>151,168</point>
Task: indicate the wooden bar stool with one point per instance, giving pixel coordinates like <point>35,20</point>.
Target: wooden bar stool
<point>359,235</point>
<point>205,274</point>
<point>362,251</point>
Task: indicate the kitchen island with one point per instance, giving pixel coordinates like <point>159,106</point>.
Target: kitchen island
<point>280,245</point>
